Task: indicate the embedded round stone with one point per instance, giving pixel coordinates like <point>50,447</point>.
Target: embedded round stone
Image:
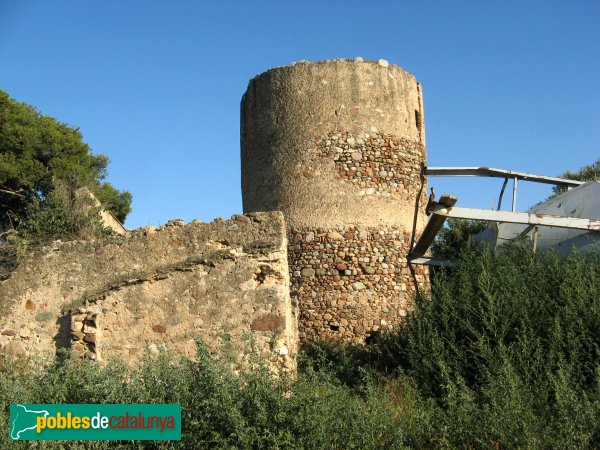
<point>308,272</point>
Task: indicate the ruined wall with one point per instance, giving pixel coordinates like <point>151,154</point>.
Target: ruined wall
<point>338,147</point>
<point>225,281</point>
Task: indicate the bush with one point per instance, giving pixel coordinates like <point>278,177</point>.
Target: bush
<point>455,236</point>
<point>219,409</point>
<point>508,348</point>
<point>64,215</point>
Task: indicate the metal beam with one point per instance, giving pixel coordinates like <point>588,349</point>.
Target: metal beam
<point>435,223</point>
<point>517,217</point>
<point>514,202</point>
<point>525,231</point>
<point>502,194</point>
<point>430,261</point>
<point>498,173</point>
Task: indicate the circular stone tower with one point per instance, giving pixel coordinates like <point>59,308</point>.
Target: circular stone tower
<point>339,146</point>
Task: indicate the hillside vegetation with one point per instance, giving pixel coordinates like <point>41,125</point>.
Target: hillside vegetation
<point>504,353</point>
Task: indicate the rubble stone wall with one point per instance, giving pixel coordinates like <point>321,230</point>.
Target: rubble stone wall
<point>352,282</point>
<point>153,289</point>
<point>377,164</point>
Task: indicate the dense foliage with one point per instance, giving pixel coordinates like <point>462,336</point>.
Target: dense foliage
<point>454,238</point>
<point>38,154</point>
<point>220,409</point>
<point>505,353</point>
<point>589,172</point>
<point>508,351</point>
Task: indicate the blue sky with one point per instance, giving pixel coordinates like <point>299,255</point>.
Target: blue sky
<point>156,85</point>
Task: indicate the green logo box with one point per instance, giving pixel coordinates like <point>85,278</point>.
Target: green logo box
<point>91,422</point>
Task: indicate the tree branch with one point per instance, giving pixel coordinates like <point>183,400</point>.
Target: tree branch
<point>7,191</point>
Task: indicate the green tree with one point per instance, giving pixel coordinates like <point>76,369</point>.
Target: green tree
<point>586,173</point>
<point>39,153</point>
<point>453,238</point>
<point>117,202</point>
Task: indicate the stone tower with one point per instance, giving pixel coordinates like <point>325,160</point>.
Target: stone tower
<point>338,146</point>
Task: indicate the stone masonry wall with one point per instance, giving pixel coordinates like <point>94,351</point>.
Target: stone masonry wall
<point>153,289</point>
<point>351,282</point>
<point>377,163</point>
<point>354,281</point>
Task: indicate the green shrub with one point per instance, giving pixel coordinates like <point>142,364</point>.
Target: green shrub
<point>64,215</point>
<point>219,408</point>
<point>508,346</point>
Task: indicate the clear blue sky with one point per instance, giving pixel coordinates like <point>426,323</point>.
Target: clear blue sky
<point>156,85</point>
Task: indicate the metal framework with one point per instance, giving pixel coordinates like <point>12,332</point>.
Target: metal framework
<point>445,208</point>
<point>500,173</point>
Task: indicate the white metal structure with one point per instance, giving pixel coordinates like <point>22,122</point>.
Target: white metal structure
<point>570,219</point>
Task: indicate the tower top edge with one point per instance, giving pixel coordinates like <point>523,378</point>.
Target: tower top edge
<point>358,61</point>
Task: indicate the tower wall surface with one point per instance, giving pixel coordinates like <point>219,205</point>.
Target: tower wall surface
<point>338,146</point>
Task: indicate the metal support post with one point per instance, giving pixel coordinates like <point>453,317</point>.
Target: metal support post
<point>514,205</point>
